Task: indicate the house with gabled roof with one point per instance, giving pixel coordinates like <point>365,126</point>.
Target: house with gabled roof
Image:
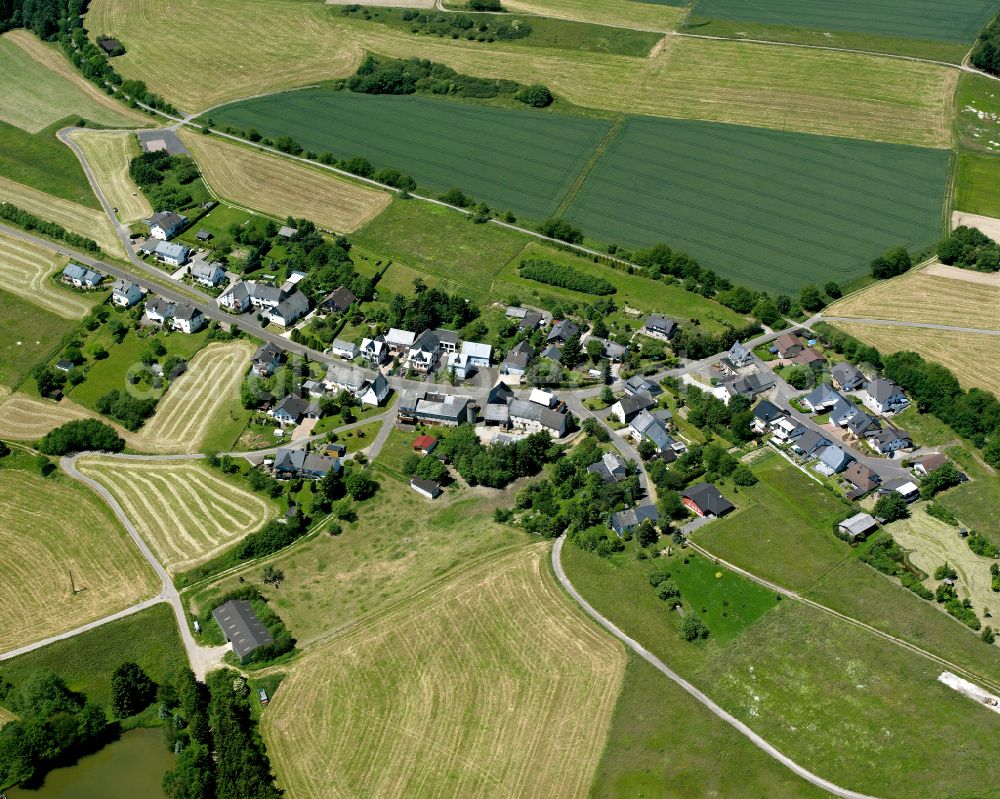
<point>647,426</point>
<point>809,442</point>
<point>159,310</point>
<point>862,479</point>
<point>637,384</point>
<point>750,385</point>
<point>766,413</point>
<point>241,627</point>
<point>347,350</point>
<point>810,357</point>
<point>374,351</point>
<point>627,520</point>
<point>423,353</point>
<point>610,468</point>
<point>291,410</point>
<point>706,500</point>
<point>125,293</point>
<point>739,356</point>
<point>858,527</point>
<point>628,407</point>
<point>164,225</point>
<point>399,341</point>
<point>337,301</point>
<point>533,417</point>
<point>822,398</point>
<point>517,360</point>
<point>236,298</point>
<point>847,377</point>
<point>658,326</point>
<point>862,425</point>
<point>884,397</point>
<point>266,359</point>
<point>843,411</point>
<point>287,312</point>
<point>187,318</point>
<point>562,331</point>
<point>889,440</point>
<point>207,273</point>
<point>832,460</point>
<point>81,277</point>
<point>374,391</point>
<point>929,463</point>
<point>788,345</point>
<point>300,463</point>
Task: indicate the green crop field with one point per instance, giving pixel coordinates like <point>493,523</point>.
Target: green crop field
<point>41,161</point>
<point>976,184</point>
<point>765,208</point>
<point>522,160</point>
<point>955,21</point>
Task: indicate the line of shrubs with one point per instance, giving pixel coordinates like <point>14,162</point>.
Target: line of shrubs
<point>553,274</point>
<point>28,221</point>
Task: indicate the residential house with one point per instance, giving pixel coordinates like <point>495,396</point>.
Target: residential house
<point>188,319</point>
<point>907,489</point>
<point>340,377</point>
<point>529,322</point>
<point>291,410</point>
<point>889,440</point>
<point>399,341</point>
<point>884,397</point>
<point>562,331</point>
<point>424,444</point>
<point>660,327</point>
<point>627,520</point>
<point>822,398</point>
<point>167,252</point>
<point>266,359</point>
<point>809,442</point>
<point>81,277</point>
<point>627,408</point>
<point>164,225</point>
<point>374,391</point>
<point>647,426</point>
<point>299,463</point>
<point>479,355</point>
<point>929,463</point>
<point>552,352</point>
<point>337,301</point>
<point>832,460</point>
<point>786,429</point>
<point>426,488</point>
<point>858,527</point>
<point>423,353</point>
<point>739,356</point>
<point>313,388</point>
<point>843,411</point>
<point>236,298</point>
<point>290,310</point>
<point>125,293</point>
<point>265,296</point>
<point>750,385</point>
<point>706,500</point>
<point>241,627</point>
<point>65,366</point>
<point>374,351</point>
<point>158,310</point>
<point>610,468</point>
<point>861,425</point>
<point>810,357</point>
<point>637,384</point>
<point>447,340</point>
<point>459,365</point>
<point>207,273</point>
<point>435,408</point>
<point>533,417</point>
<point>612,350</point>
<point>788,345</point>
<point>347,350</point>
<point>847,377</point>
<point>765,414</point>
<point>863,480</point>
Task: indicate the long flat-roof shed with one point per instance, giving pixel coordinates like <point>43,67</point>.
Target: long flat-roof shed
<point>242,628</point>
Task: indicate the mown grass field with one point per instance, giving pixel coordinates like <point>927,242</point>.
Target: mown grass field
<point>638,15</point>
<point>946,347</point>
<point>27,418</point>
<point>976,501</point>
<point>519,160</point>
<point>977,106</point>
<point>88,660</point>
<point>43,162</point>
<point>184,510</point>
<point>76,218</point>
<point>200,402</point>
<point>27,271</point>
<point>975,186</point>
<point>41,87</point>
<point>472,689</point>
<point>837,699</point>
<point>777,210</point>
<point>283,188</point>
<point>927,295</point>
<point>28,334</point>
<point>55,537</point>
<point>108,153</point>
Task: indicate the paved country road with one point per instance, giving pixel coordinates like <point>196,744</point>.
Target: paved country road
<point>698,695</point>
<point>897,323</point>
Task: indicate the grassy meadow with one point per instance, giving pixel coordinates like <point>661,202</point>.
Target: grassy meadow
<point>28,334</point>
<point>976,184</point>
<point>44,163</point>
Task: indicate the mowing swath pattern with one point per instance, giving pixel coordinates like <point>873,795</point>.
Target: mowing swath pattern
<point>108,153</point>
<point>490,685</point>
<point>25,270</point>
<point>640,15</point>
<point>522,160</point>
<point>47,532</point>
<point>24,418</point>
<point>185,512</point>
<point>951,21</point>
<point>770,209</point>
<point>186,413</point>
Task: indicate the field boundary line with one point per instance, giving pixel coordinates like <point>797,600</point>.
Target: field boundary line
<point>588,167</point>
<point>759,741</point>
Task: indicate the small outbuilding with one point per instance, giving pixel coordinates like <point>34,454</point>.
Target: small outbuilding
<point>426,488</point>
<point>424,444</point>
<point>858,527</point>
<point>242,628</point>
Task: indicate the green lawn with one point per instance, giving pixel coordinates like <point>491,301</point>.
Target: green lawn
<point>927,430</point>
<point>785,531</point>
<point>976,184</point>
<point>28,335</point>
<point>86,661</point>
<point>977,107</point>
<point>663,744</point>
<point>765,208</point>
<point>41,161</point>
<point>975,502</point>
<point>217,222</point>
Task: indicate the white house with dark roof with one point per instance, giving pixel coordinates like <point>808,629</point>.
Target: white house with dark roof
<point>884,397</point>
<point>533,417</point>
<point>447,340</point>
<point>287,312</point>
<point>822,398</point>
<point>375,391</point>
<point>264,295</point>
<point>207,273</point>
<point>889,440</point>
<point>187,319</point>
<point>164,225</point>
<point>659,327</point>
<point>647,426</point>
<point>125,293</point>
<point>167,252</point>
<point>637,384</point>
<point>517,360</point>
<point>832,460</point>
<point>459,366</point>
<point>266,359</point>
<point>158,310</point>
<point>627,408</point>
<point>236,298</point>
<point>433,407</point>
<point>423,352</point>
<point>739,356</point>
<point>847,377</point>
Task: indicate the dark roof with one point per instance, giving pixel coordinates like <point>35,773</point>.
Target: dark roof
<point>293,406</point>
<point>241,626</point>
<point>563,331</point>
<point>267,352</point>
<point>933,461</point>
<point>707,497</point>
<point>627,519</point>
<point>203,235</point>
<point>428,486</point>
<point>110,45</point>
<point>340,298</point>
<point>767,411</point>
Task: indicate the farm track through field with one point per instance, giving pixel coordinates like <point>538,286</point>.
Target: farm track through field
<point>488,685</point>
<point>65,561</point>
<point>188,410</point>
<point>108,153</point>
<point>27,271</point>
<point>185,512</point>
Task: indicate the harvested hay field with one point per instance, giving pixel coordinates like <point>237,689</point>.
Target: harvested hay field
<point>40,87</point>
<point>480,687</point>
<point>197,400</point>
<point>934,295</point>
<point>108,154</point>
<point>810,91</point>
<point>280,187</point>
<point>946,347</point>
<point>641,16</point>
<point>27,418</point>
<point>185,511</point>
<point>27,271</point>
<point>87,222</point>
<point>65,562</point>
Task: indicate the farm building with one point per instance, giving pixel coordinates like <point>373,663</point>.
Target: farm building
<point>858,527</point>
<point>424,444</point>
<point>706,500</point>
<point>81,277</point>
<point>426,488</point>
<point>241,627</point>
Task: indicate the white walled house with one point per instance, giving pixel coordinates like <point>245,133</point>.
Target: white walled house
<point>235,299</point>
<point>188,319</point>
<point>125,293</point>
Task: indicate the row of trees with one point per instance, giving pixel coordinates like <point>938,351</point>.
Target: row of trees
<point>553,274</point>
<point>28,221</point>
<point>986,53</point>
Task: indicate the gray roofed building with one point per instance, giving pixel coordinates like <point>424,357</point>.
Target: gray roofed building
<point>739,356</point>
<point>627,408</point>
<point>515,312</point>
<point>265,294</point>
<point>125,293</point>
<point>266,359</point>
<point>822,398</point>
<point>884,396</point>
<point>299,463</point>
<point>164,224</point>
<point>159,310</point>
<point>287,232</point>
<point>847,376</point>
<point>345,349</point>
<point>843,411</point>
<point>749,386</point>
<point>171,252</point>
<point>447,339</point>
<point>647,426</point>
<point>766,412</point>
<point>858,526</point>
<point>907,489</point>
<point>81,277</point>
<point>861,424</point>
<point>832,460</point>
<point>610,468</point>
<point>810,442</point>
<point>290,409</point>
<point>638,384</point>
<point>236,298</point>
<point>241,627</point>
<point>207,273</point>
<point>516,362</point>
<point>660,326</point>
<point>434,408</point>
<point>530,321</point>
<point>534,417</point>
<point>562,331</point>
<point>426,488</point>
<point>291,309</point>
<point>627,520</point>
<point>552,352</point>
<point>889,440</point>
<point>706,500</point>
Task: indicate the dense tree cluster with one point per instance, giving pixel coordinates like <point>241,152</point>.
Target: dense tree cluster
<point>81,435</point>
<point>327,263</point>
<point>698,345</point>
<point>892,263</point>
<point>982,546</point>
<point>708,412</point>
<point>883,554</point>
<point>163,178</point>
<point>28,221</point>
<point>986,53</point>
<point>969,248</point>
<point>941,479</point>
<point>497,465</point>
<point>562,230</point>
<point>891,507</point>
<point>537,95</point>
<point>53,723</point>
<point>126,409</point>
<point>131,690</point>
<point>429,308</point>
<point>553,274</point>
<point>377,75</point>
